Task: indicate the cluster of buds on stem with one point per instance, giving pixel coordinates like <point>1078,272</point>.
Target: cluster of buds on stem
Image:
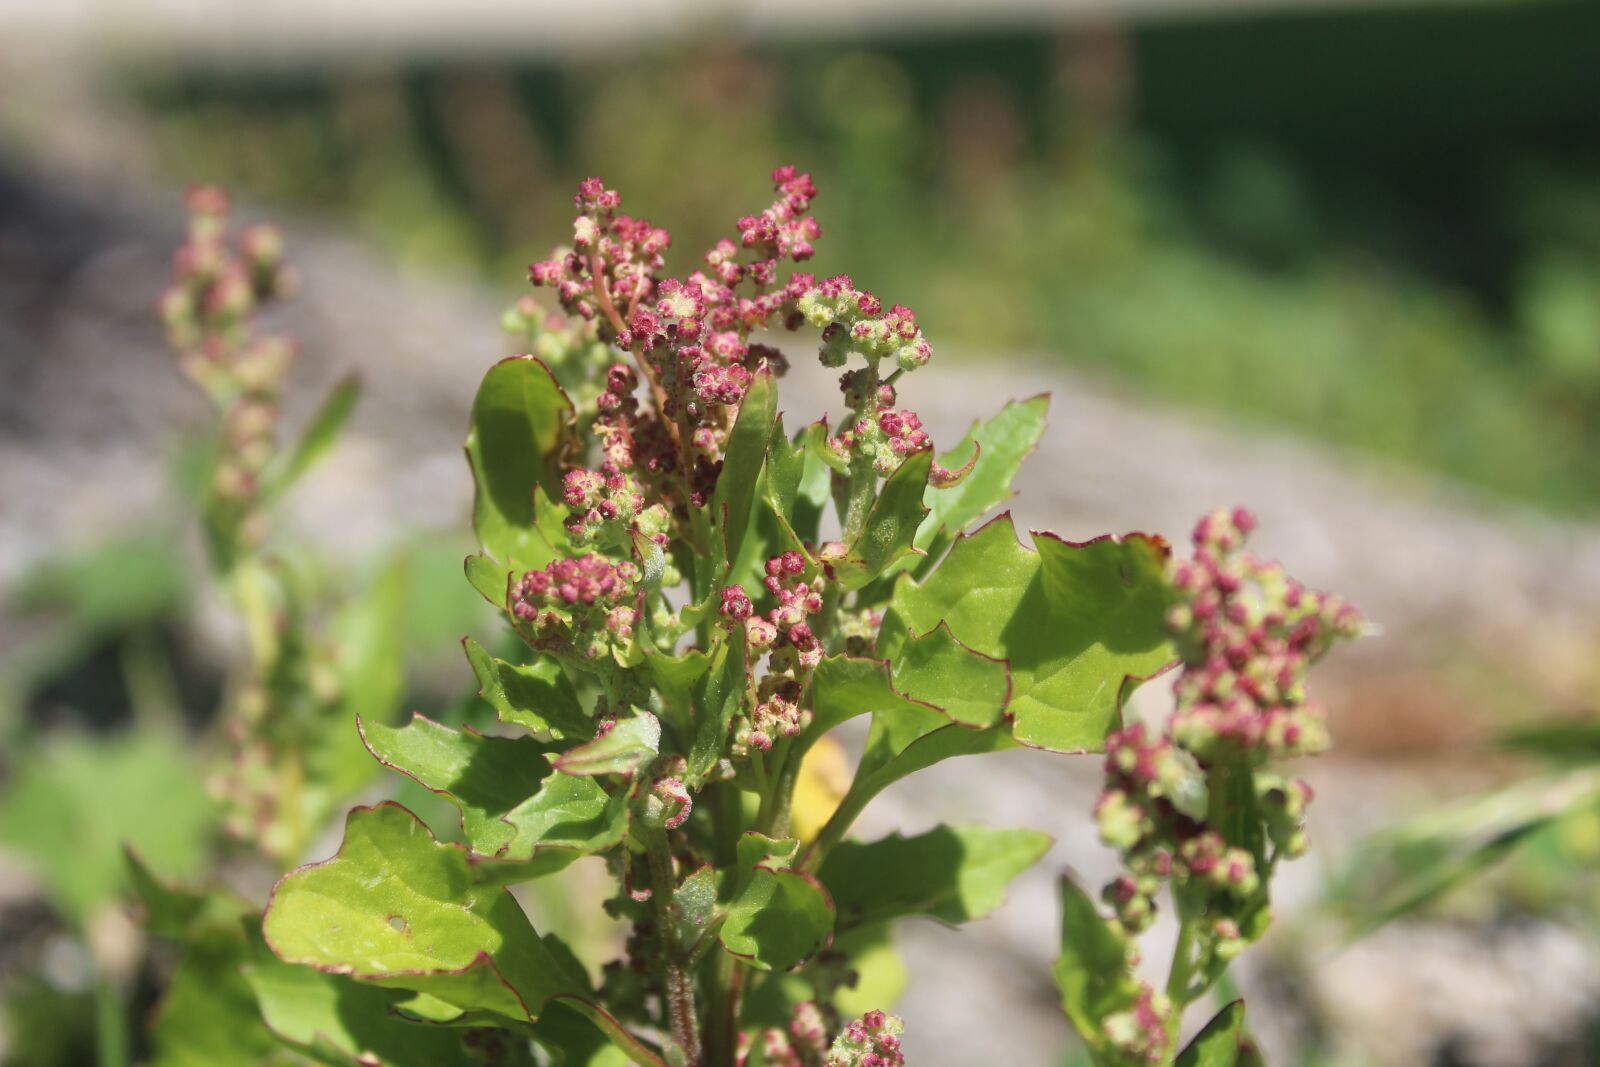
<point>870,1041</point>
<point>793,650</point>
<point>690,337</point>
<point>1247,635</point>
<point>208,313</point>
<point>580,609</point>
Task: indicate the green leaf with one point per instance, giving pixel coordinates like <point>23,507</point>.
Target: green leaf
<point>1092,972</point>
<point>179,912</point>
<point>1074,621</point>
<point>1405,867</point>
<point>951,873</point>
<point>335,1019</point>
<point>208,1016</point>
<point>484,777</point>
<point>743,459</point>
<point>695,904</point>
<point>492,580</point>
<point>73,803</point>
<point>717,700</point>
<point>891,526</point>
<point>539,696</point>
<point>567,818</point>
<point>776,916</point>
<point>796,488</point>
<point>675,679</point>
<point>320,434</point>
<point>519,419</point>
<point>1218,1044</point>
<point>967,686</point>
<point>574,1041</point>
<point>1003,442</point>
<point>623,749</point>
<point>369,642</point>
<point>396,908</point>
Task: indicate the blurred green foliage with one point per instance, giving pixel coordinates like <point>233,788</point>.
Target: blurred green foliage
<point>1288,220</point>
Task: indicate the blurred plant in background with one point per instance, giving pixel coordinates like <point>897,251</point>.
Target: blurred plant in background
<point>996,176</point>
<point>276,759</point>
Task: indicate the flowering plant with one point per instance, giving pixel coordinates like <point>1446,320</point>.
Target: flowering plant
<point>693,620</point>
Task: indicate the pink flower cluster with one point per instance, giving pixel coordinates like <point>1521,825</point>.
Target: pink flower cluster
<point>794,650</point>
<point>871,1041</point>
<point>577,608</point>
<point>1248,634</point>
<point>691,336</point>
<point>1139,1033</point>
<point>607,508</point>
<point>207,310</point>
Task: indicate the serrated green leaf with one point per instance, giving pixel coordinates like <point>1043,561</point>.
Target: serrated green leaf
<point>1003,442</point>
<point>519,418</point>
<point>891,526</point>
<point>743,459</point>
<point>538,696</point>
<point>1092,972</point>
<point>320,434</point>
<point>567,818</point>
<point>967,686</point>
<point>1218,1044</point>
<point>484,777</point>
<point>396,908</point>
<point>843,687</point>
<point>776,917</point>
<point>1072,620</point>
<point>718,697</point>
<point>952,873</point>
<point>623,749</point>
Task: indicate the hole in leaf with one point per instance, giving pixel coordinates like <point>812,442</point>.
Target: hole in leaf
<point>398,923</point>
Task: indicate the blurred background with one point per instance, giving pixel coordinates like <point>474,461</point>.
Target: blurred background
<point>1339,262</point>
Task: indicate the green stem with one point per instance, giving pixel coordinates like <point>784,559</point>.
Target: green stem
<point>773,818</point>
<point>679,985</point>
<point>1178,977</point>
<point>111,1023</point>
<point>833,831</point>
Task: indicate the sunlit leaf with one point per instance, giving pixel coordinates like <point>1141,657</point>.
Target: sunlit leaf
<point>951,873</point>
